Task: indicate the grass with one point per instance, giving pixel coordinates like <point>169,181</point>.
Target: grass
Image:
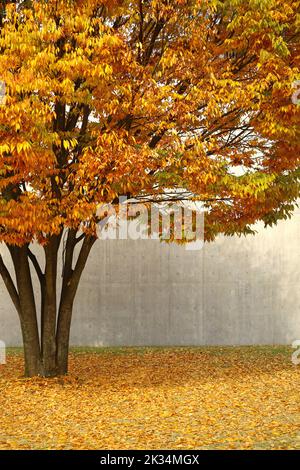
<point>244,397</point>
<point>214,350</point>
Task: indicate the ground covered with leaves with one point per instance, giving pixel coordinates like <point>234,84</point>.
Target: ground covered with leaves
<point>144,398</point>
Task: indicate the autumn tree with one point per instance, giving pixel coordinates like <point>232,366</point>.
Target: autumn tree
<point>143,98</point>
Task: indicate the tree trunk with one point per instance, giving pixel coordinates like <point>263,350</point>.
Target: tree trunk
<point>27,313</point>
<point>32,355</point>
<point>46,350</point>
<point>62,339</point>
<point>48,308</point>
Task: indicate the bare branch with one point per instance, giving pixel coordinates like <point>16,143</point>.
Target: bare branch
<point>10,285</point>
<point>36,265</point>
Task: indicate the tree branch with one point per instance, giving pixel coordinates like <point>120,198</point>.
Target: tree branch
<point>87,245</point>
<point>36,265</point>
<point>79,238</point>
<point>68,258</point>
<point>10,285</point>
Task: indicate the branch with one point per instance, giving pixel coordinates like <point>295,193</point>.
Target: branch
<point>85,120</point>
<point>141,199</point>
<point>158,27</point>
<point>78,239</point>
<point>67,261</point>
<point>36,265</point>
<point>87,245</point>
<point>141,34</point>
<point>156,138</point>
<point>10,285</point>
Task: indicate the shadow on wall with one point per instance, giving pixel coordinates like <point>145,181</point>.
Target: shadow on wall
<point>234,291</point>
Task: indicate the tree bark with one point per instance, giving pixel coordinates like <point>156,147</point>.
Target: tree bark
<point>63,338</point>
<point>48,307</point>
<point>46,350</point>
<point>32,354</point>
<point>28,317</point>
<point>71,280</point>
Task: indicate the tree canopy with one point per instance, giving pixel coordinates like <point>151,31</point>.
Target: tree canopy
<point>153,99</point>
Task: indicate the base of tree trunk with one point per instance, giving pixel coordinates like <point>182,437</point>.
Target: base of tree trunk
<point>36,368</point>
<point>40,372</point>
<point>46,343</point>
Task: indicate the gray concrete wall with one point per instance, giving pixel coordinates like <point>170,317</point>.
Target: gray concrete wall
<point>234,291</point>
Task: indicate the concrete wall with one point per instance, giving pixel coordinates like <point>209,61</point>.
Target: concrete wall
<point>234,291</point>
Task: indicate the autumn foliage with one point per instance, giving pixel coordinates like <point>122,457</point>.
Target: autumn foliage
<point>145,99</point>
<point>110,98</point>
<point>209,398</point>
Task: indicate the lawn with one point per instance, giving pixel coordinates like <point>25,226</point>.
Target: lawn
<point>155,398</point>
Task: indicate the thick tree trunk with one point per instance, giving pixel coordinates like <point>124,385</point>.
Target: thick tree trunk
<point>27,313</point>
<point>63,338</point>
<point>46,354</point>
<point>48,316</point>
<point>32,354</point>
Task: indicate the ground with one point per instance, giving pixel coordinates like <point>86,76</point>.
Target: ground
<point>155,398</point>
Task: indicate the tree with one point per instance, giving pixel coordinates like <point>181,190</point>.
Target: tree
<point>143,98</point>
